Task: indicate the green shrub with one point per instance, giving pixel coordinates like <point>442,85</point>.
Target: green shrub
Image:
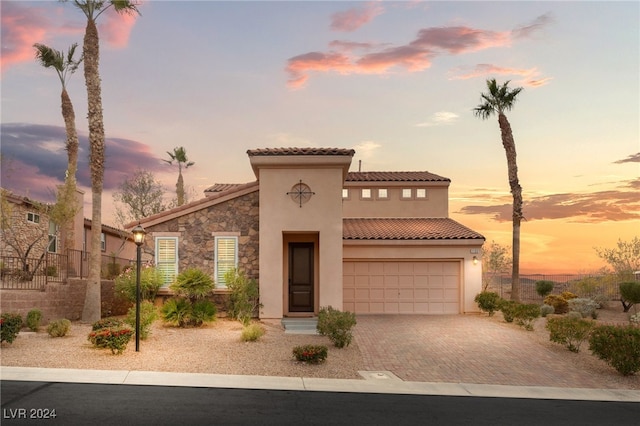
<point>10,325</point>
<point>312,354</point>
<point>544,287</point>
<point>586,307</point>
<point>176,312</point>
<point>508,308</point>
<point>617,346</point>
<point>252,332</point>
<point>115,338</point>
<point>202,311</point>
<point>148,314</point>
<point>151,280</point>
<point>629,294</point>
<point>109,322</point>
<point>525,314</point>
<point>488,301</point>
<point>558,302</point>
<point>34,317</point>
<point>59,328</point>
<point>546,310</point>
<point>574,315</point>
<point>567,295</point>
<point>570,332</point>
<point>244,297</point>
<point>51,271</point>
<point>193,284</point>
<point>336,325</point>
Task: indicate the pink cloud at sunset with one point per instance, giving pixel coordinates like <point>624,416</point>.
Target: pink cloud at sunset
<point>417,55</point>
<point>116,28</point>
<point>529,77</point>
<point>352,19</point>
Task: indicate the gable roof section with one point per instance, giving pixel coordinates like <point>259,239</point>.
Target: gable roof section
<point>395,177</point>
<point>300,151</point>
<point>216,198</point>
<point>406,229</point>
<point>220,187</point>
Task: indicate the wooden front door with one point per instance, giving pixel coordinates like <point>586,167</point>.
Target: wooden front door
<point>301,277</point>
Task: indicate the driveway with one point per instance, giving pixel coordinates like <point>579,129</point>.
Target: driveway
<point>478,349</point>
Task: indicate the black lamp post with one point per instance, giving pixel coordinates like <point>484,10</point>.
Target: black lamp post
<point>138,238</point>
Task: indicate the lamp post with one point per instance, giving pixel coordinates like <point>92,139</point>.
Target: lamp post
<point>138,238</point>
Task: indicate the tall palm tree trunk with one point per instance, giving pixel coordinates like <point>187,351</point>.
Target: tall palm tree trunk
<point>72,155</point>
<point>92,305</point>
<point>516,191</point>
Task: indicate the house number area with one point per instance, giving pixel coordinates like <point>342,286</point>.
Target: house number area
<point>29,413</point>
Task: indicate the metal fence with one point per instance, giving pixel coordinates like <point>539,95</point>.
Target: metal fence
<point>583,285</point>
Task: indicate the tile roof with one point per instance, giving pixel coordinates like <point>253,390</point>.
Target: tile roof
<point>221,187</point>
<point>300,151</point>
<point>406,229</point>
<point>395,177</point>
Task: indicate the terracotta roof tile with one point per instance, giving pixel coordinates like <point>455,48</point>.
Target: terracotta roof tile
<point>395,177</point>
<point>300,151</point>
<point>406,229</point>
<point>221,187</point>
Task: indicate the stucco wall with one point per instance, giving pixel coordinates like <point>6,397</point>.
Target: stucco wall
<point>436,204</point>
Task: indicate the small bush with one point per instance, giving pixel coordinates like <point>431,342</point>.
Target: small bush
<point>570,332</point>
<point>558,302</point>
<point>488,301</point>
<point>336,325</point>
<point>176,312</point>
<point>252,332</point>
<point>574,315</point>
<point>10,325</point>
<point>34,317</point>
<point>244,298</point>
<point>109,322</point>
<point>51,271</point>
<point>193,284</point>
<point>148,314</point>
<point>312,354</point>
<point>115,339</point>
<point>617,346</point>
<point>151,279</point>
<point>59,328</point>
<point>546,310</point>
<point>525,314</point>
<point>635,319</point>
<point>202,311</point>
<point>629,294</point>
<point>567,295</point>
<point>508,308</point>
<point>586,307</point>
<point>544,287</point>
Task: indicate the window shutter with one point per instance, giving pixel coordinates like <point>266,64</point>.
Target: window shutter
<point>226,257</point>
<point>167,259</point>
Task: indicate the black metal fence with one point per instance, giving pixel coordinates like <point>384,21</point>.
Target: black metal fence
<point>605,287</point>
<point>34,273</point>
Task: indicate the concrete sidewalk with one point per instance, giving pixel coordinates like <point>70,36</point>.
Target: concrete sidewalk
<point>374,382</point>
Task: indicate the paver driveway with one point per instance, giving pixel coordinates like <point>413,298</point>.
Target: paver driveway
<point>474,349</point>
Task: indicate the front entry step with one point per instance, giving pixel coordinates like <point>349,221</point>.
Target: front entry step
<point>300,325</point>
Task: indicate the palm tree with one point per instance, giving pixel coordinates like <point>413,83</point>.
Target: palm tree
<point>179,155</point>
<point>497,101</point>
<point>92,9</point>
<point>65,66</point>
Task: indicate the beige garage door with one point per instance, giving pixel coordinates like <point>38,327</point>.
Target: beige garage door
<point>392,287</point>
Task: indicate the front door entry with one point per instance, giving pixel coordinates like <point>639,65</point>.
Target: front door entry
<point>301,277</point>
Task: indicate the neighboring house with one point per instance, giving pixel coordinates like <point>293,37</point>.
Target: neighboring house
<point>315,235</point>
<point>113,241</point>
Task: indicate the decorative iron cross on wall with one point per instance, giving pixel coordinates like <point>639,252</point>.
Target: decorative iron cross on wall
<point>300,193</point>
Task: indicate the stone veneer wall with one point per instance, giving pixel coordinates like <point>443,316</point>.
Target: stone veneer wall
<point>23,232</point>
<point>196,239</point>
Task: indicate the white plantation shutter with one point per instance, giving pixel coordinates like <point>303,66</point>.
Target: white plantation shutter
<point>226,254</point>
<point>167,258</point>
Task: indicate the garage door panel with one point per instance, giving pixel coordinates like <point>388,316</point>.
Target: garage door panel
<point>405,280</point>
<point>405,268</point>
<point>391,281</point>
<point>420,281</point>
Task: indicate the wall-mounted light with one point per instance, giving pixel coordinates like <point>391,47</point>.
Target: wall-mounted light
<point>475,260</point>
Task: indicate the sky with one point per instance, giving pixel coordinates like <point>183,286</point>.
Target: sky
<point>396,81</point>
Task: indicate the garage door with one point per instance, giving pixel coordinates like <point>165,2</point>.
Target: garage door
<point>392,287</point>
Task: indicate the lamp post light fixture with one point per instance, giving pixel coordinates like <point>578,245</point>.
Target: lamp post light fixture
<point>138,238</point>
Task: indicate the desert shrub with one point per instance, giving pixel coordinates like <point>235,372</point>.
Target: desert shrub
<point>586,307</point>
<point>244,297</point>
<point>570,332</point>
<point>151,280</point>
<point>312,354</point>
<point>558,302</point>
<point>574,315</point>
<point>109,322</point>
<point>567,295</point>
<point>488,301</point>
<point>59,328</point>
<point>202,311</point>
<point>34,317</point>
<point>525,314</point>
<point>51,271</point>
<point>336,325</point>
<point>148,314</point>
<point>115,338</point>
<point>544,287</point>
<point>251,332</point>
<point>508,309</point>
<point>10,325</point>
<point>617,346</point>
<point>629,294</point>
<point>193,284</point>
<point>546,310</point>
<point>176,312</point>
<point>635,319</point>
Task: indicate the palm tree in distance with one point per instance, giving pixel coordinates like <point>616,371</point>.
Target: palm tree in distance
<point>179,155</point>
<point>92,9</point>
<point>498,100</point>
<point>65,66</point>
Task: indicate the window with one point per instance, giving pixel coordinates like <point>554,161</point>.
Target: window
<point>226,257</point>
<point>406,193</point>
<point>33,217</point>
<point>103,241</point>
<point>421,193</point>
<point>366,193</point>
<point>53,238</point>
<point>345,193</point>
<point>167,258</point>
<point>382,193</point>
